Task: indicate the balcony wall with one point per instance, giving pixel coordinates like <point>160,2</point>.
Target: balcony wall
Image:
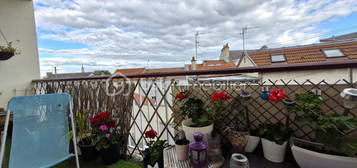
<point>17,23</point>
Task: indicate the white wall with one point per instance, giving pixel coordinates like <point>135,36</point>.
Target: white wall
<point>17,23</point>
<point>330,76</point>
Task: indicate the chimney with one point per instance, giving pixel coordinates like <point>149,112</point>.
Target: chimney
<point>193,63</point>
<point>225,53</point>
<point>264,47</point>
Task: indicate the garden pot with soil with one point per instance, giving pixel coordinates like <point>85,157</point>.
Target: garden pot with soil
<point>273,151</point>
<point>314,155</point>
<point>110,155</point>
<point>88,151</point>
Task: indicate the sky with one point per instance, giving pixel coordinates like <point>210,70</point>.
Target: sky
<point>113,34</point>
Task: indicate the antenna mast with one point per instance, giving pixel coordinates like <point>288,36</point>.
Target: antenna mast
<point>196,43</point>
<point>244,31</point>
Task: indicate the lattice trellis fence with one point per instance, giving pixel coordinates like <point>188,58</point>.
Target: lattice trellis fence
<point>151,104</point>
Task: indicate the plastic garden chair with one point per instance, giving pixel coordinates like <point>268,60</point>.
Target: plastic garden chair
<point>40,135</point>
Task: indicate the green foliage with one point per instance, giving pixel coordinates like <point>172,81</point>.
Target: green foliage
<point>277,133</point>
<point>10,49</point>
<point>102,142</point>
<point>193,108</point>
<point>331,130</point>
<point>154,151</point>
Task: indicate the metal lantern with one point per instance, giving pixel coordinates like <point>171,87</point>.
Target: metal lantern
<point>265,93</point>
<point>198,152</point>
<point>349,96</point>
<point>239,161</point>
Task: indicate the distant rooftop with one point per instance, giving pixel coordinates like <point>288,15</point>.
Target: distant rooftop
<point>341,37</point>
<point>51,75</point>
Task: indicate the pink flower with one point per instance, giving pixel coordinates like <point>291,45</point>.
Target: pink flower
<point>103,127</point>
<point>107,135</point>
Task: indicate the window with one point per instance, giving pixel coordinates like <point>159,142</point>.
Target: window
<point>332,53</point>
<point>277,58</point>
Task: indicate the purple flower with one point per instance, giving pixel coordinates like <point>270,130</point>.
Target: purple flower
<point>103,127</point>
<point>107,135</point>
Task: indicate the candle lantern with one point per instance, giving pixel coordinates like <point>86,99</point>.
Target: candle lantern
<point>265,93</point>
<point>198,151</point>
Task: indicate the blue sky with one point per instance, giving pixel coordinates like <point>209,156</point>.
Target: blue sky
<point>107,35</point>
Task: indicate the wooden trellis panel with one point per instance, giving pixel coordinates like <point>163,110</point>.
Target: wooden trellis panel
<point>150,104</point>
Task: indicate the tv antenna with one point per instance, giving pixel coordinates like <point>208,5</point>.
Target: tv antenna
<point>244,32</point>
<point>197,41</point>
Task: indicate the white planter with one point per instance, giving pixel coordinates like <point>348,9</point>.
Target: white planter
<point>182,152</point>
<point>253,142</point>
<point>274,152</point>
<point>311,159</point>
<point>189,131</point>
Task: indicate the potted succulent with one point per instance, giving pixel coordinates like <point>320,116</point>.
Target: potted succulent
<point>181,146</point>
<point>274,140</point>
<point>335,144</point>
<point>153,153</point>
<point>85,138</point>
<point>106,138</point>
<point>197,119</point>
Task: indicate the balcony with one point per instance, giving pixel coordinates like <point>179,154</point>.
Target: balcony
<point>142,102</point>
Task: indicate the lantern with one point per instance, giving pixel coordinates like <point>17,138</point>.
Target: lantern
<point>239,161</point>
<point>265,93</point>
<point>198,151</point>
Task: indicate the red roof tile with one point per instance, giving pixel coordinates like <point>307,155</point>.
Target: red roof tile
<point>305,54</point>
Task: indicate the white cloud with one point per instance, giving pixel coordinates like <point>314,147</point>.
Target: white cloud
<point>130,32</point>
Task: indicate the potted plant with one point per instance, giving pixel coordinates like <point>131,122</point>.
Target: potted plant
<point>153,153</point>
<point>85,139</point>
<point>197,119</point>
<point>181,146</point>
<point>335,144</point>
<point>106,138</point>
<point>8,51</point>
<point>274,140</point>
<point>253,141</point>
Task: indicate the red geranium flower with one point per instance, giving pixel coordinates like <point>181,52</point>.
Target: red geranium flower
<point>150,134</point>
<point>276,95</point>
<point>103,114</point>
<point>96,119</point>
<point>180,96</point>
<point>220,96</point>
<point>111,123</point>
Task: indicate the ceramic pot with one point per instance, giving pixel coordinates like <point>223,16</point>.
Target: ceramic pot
<point>189,131</point>
<point>252,143</point>
<point>307,158</point>
<point>273,151</point>
<point>182,152</point>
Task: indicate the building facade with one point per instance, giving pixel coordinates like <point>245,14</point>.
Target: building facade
<point>16,73</point>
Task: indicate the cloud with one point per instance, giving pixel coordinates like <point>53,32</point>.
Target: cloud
<point>131,32</point>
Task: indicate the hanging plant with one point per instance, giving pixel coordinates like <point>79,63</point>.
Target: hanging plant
<point>8,51</point>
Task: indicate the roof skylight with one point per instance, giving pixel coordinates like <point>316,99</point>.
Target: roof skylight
<point>277,58</point>
<point>333,53</point>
